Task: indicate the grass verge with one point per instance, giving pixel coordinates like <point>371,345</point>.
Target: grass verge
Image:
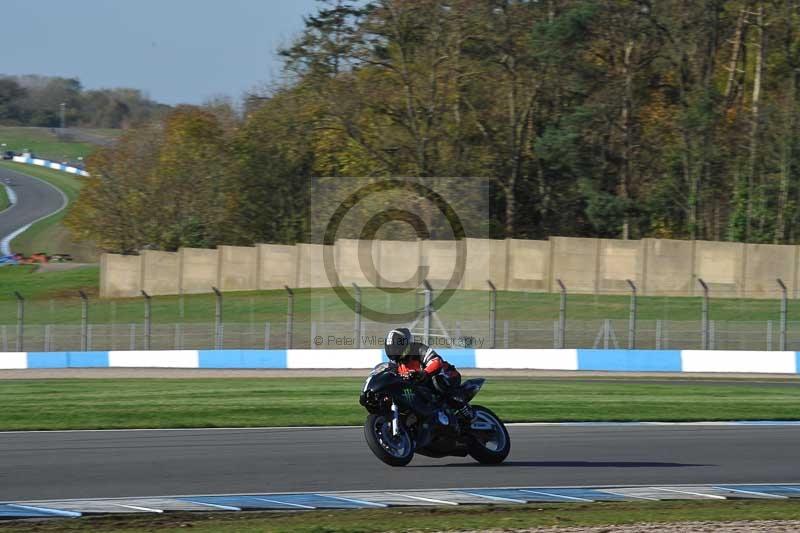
<point>323,305</point>
<point>4,202</point>
<point>463,518</point>
<point>37,285</point>
<point>43,142</point>
<point>174,403</point>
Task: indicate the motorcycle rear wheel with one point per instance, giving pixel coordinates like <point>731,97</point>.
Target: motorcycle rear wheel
<point>394,451</point>
<point>489,449</point>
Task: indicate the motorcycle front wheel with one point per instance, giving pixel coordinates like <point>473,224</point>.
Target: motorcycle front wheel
<point>392,450</point>
<point>488,446</point>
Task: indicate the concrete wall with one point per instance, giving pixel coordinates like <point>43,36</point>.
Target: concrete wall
<point>354,260</point>
<point>766,262</point>
<point>602,266</point>
<point>238,268</point>
<point>668,267</point>
<point>441,258</point>
<point>528,265</point>
<point>278,266</point>
<point>120,275</point>
<point>574,262</point>
<point>311,266</point>
<point>400,263</point>
<point>617,262</point>
<point>160,272</point>
<point>486,260</point>
<point>721,266</point>
<point>199,270</point>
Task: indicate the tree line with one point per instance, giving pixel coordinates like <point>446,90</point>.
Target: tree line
<point>603,118</point>
<point>36,101</point>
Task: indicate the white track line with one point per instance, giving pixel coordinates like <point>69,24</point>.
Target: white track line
<point>574,498</point>
<point>213,505</point>
<point>12,197</point>
<point>298,505</point>
<point>420,498</point>
<point>5,244</point>
<point>712,496</point>
<point>751,492</point>
<point>138,508</point>
<point>351,500</point>
<point>497,498</point>
<point>631,495</point>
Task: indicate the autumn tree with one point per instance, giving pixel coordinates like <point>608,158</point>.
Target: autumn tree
<point>608,118</point>
<point>161,187</point>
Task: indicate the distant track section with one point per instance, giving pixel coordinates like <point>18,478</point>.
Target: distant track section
<point>35,199</point>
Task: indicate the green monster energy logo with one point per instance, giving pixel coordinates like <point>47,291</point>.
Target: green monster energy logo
<point>408,394</point>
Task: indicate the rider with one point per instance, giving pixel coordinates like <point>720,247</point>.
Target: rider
<point>417,361</point>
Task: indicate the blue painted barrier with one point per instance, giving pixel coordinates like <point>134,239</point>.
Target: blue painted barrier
<point>242,359</point>
<point>596,360</point>
<point>630,360</point>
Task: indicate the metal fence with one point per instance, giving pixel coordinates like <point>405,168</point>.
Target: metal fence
<point>599,334</point>
<point>316,320</point>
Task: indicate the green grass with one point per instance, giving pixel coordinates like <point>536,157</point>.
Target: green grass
<point>54,300</point>
<point>44,285</point>
<point>461,518</point>
<point>4,203</point>
<point>49,235</point>
<point>107,134</point>
<point>43,143</point>
<point>210,402</point>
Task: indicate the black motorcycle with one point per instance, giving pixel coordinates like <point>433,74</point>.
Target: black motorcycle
<point>406,417</point>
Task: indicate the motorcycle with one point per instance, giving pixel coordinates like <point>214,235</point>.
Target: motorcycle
<point>406,417</point>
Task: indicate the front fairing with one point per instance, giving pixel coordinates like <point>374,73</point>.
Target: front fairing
<point>384,376</point>
<point>383,367</point>
<point>382,382</point>
<point>471,387</point>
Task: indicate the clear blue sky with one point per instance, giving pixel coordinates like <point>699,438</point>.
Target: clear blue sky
<point>174,50</point>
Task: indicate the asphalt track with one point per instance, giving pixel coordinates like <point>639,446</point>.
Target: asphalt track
<point>36,199</point>
<point>98,464</point>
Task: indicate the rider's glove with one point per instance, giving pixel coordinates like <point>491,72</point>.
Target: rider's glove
<point>419,375</point>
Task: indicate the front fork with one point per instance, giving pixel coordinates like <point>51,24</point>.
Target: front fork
<point>395,420</point>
